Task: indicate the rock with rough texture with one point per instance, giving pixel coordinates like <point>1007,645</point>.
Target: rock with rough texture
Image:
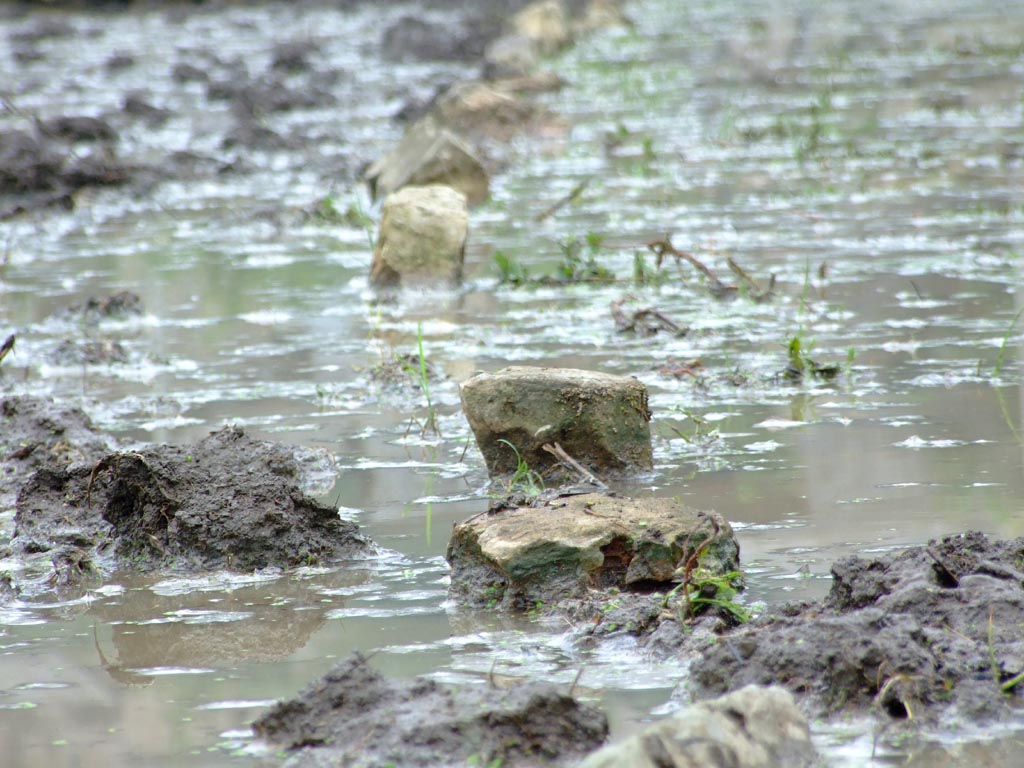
<point>422,237</point>
<point>601,420</point>
<point>429,154</point>
<point>485,114</point>
<point>906,635</point>
<point>356,717</point>
<point>515,558</point>
<point>228,501</point>
<point>600,14</point>
<point>546,24</point>
<point>752,728</point>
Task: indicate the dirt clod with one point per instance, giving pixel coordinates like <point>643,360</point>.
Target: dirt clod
<point>357,717</point>
<point>895,634</point>
<point>228,501</point>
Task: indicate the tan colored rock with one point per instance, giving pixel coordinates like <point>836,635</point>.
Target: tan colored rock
<point>754,727</point>
<point>515,558</point>
<point>480,111</point>
<point>422,237</point>
<point>600,14</point>
<point>546,24</point>
<point>601,420</point>
<point>430,154</point>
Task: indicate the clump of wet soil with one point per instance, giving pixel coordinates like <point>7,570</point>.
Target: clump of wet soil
<point>35,432</point>
<point>355,716</point>
<point>228,501</point>
<point>930,632</point>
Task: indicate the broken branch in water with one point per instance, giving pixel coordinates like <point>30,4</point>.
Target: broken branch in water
<point>7,346</point>
<point>646,321</point>
<point>757,293</point>
<point>664,246</point>
<point>569,462</point>
<point>555,207</point>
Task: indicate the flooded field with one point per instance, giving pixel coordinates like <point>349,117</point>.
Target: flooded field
<point>867,161</point>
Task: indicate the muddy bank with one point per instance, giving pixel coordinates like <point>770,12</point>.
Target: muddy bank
<point>929,634</point>
<point>228,501</point>
<point>355,716</point>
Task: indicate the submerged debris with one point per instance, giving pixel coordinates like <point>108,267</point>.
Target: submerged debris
<point>720,290</point>
<point>644,322</point>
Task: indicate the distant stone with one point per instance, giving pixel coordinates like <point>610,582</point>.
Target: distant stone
<point>601,420</point>
<point>754,727</point>
<point>515,558</point>
<point>422,237</point>
<point>412,39</point>
<point>600,14</point>
<point>78,128</point>
<point>483,113</point>
<point>546,24</point>
<point>430,154</point>
<point>510,55</point>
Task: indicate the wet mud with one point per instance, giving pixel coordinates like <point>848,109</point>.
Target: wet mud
<point>355,716</point>
<point>925,636</point>
<point>228,501</point>
<point>930,634</point>
<point>47,161</point>
<point>37,433</point>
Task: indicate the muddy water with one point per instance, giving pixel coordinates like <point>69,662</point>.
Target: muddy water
<point>870,158</point>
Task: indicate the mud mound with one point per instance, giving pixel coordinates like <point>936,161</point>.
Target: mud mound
<point>228,501</point>
<point>932,631</point>
<point>356,717</point>
<point>35,432</point>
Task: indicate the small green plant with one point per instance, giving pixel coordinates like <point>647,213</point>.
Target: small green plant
<point>702,433</point>
<point>644,274</point>
<point>326,210</point>
<point>523,480</point>
<point>420,373</point>
<point>705,590</point>
<point>579,260</point>
<point>1001,357</point>
<point>800,363</point>
<point>510,270</point>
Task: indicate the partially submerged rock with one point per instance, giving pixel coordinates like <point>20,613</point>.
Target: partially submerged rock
<point>484,113</point>
<point>429,154</point>
<point>544,23</point>
<point>356,717</point>
<point>929,630</point>
<point>599,419</point>
<point>422,237</point>
<point>516,558</point>
<point>228,501</point>
<point>753,727</point>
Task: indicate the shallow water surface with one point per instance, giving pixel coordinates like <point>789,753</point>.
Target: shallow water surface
<point>869,157</point>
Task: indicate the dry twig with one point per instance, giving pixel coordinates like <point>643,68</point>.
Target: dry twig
<point>568,461</point>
